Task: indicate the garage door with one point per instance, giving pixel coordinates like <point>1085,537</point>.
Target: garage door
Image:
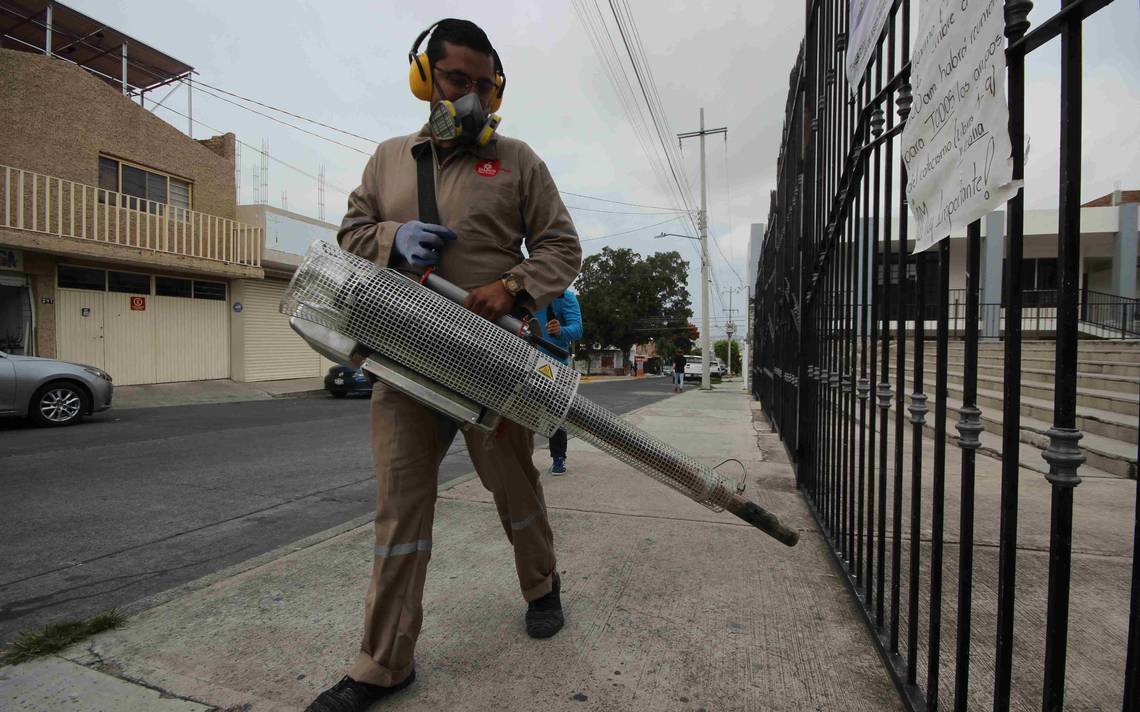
<point>267,348</point>
<point>180,333</point>
<point>192,339</point>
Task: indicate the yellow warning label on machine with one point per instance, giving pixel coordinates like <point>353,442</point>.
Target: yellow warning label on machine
<point>546,371</point>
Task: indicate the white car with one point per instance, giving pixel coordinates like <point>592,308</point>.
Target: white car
<point>693,368</point>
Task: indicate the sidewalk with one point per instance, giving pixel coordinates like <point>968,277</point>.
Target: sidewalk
<point>669,606</point>
<point>218,391</point>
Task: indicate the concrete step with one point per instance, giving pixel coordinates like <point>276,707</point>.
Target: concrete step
<point>1123,346</point>
<point>1029,362</point>
<point>1112,425</point>
<point>1114,363</point>
<point>1127,356</point>
<point>1029,452</point>
<point>1096,381</point>
<point>1109,424</point>
<point>1124,399</point>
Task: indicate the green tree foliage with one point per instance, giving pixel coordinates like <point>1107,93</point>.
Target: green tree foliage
<point>720,348</point>
<point>628,300</point>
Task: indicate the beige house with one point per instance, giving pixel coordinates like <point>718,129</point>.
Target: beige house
<point>121,243</point>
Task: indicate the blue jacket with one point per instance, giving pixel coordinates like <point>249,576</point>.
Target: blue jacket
<point>565,309</point>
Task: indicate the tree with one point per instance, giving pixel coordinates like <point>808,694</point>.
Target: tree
<point>628,300</point>
<point>720,348</point>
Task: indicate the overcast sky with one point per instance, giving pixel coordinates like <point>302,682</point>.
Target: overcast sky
<point>345,63</point>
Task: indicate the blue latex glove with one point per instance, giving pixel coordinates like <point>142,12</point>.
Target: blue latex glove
<point>420,242</point>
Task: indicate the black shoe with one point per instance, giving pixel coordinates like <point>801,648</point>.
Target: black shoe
<point>544,615</point>
<point>348,695</point>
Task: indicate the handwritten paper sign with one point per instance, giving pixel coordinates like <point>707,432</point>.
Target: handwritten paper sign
<point>956,139</point>
<point>867,20</point>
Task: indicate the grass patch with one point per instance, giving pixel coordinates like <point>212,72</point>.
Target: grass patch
<point>57,636</point>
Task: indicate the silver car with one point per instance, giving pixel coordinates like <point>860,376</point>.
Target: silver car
<point>51,392</point>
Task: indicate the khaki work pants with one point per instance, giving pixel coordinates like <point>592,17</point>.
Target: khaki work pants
<point>408,443</point>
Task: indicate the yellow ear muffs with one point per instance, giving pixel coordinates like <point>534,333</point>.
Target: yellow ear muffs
<point>419,77</point>
<point>497,96</point>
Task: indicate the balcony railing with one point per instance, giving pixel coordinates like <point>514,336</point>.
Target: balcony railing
<point>54,206</point>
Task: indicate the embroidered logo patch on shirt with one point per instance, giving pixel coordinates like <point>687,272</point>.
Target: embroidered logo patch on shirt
<point>487,168</point>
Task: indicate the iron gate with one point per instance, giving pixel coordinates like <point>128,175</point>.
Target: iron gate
<point>825,331</point>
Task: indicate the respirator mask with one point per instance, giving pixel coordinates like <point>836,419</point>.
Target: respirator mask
<point>463,120</point>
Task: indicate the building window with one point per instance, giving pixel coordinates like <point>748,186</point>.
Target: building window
<point>210,290</point>
<point>1038,282</point>
<point>82,278</point>
<point>139,185</point>
<point>173,287</point>
<point>128,282</point>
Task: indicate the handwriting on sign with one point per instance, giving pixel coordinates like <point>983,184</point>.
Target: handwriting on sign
<point>955,144</point>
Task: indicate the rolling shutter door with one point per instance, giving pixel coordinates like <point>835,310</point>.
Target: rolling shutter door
<point>270,349</point>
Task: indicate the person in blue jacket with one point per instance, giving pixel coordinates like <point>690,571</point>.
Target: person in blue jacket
<point>563,320</point>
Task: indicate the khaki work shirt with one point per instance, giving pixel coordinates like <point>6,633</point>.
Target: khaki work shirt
<point>495,197</point>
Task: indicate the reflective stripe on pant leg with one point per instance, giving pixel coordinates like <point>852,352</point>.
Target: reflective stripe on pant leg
<point>506,468</point>
<point>408,443</point>
<point>530,519</point>
<point>403,549</point>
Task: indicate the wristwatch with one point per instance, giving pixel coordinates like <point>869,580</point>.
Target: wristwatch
<point>513,284</point>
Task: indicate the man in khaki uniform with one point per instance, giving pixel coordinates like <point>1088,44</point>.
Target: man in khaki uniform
<point>492,197</point>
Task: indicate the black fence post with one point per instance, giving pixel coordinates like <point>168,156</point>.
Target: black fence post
<point>1016,12</point>
<point>1063,454</point>
<point>969,428</point>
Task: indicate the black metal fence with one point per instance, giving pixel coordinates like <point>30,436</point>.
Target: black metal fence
<point>823,371</point>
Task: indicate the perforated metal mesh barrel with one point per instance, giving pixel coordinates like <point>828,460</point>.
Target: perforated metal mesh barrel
<point>410,324</point>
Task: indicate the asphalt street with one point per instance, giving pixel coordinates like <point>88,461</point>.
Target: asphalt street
<point>130,503</point>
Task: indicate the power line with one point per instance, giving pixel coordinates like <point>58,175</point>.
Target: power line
<point>657,115</point>
<point>286,123</point>
<point>626,232</point>
<point>619,202</point>
<point>595,28</point>
<point>200,84</point>
<point>600,37</point>
<point>620,212</point>
<point>283,111</point>
<point>258,150</point>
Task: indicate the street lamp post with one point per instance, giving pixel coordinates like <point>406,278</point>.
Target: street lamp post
<point>706,381</point>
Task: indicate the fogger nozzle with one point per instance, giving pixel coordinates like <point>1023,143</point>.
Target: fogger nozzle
<point>435,337</point>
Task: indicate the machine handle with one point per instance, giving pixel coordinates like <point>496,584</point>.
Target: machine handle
<point>441,286</point>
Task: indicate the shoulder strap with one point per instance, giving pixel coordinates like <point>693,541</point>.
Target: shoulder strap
<point>425,186</point>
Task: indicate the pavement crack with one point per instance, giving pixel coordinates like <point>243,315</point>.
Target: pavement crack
<point>112,669</point>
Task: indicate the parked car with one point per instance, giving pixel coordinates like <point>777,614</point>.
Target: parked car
<point>341,381</point>
<point>693,369</point>
<point>50,392</point>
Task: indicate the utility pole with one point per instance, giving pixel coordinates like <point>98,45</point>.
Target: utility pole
<point>703,225</point>
<point>746,361</point>
<point>730,327</point>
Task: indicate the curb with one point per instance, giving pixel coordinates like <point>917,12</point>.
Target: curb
<point>313,393</point>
